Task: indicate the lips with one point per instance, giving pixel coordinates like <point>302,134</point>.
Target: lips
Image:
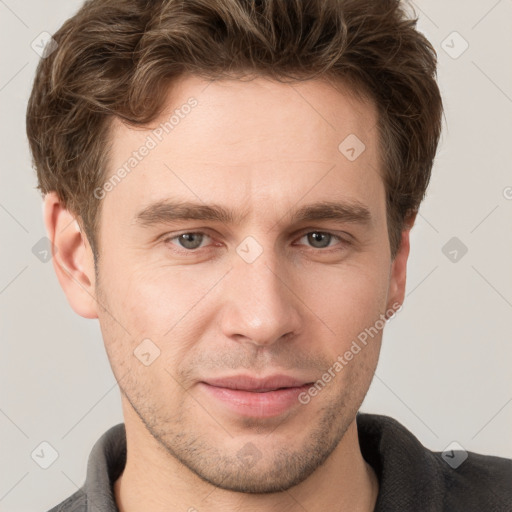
<point>256,385</point>
<point>248,396</point>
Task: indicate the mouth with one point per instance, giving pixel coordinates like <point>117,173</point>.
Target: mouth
<point>250,396</point>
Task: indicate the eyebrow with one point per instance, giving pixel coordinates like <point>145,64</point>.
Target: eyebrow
<point>168,211</point>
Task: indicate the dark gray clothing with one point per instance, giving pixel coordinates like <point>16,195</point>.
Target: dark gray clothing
<point>411,477</point>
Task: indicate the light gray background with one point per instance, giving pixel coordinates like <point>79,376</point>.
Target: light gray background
<point>445,365</point>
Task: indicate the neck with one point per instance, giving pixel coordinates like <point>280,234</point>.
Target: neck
<point>154,480</point>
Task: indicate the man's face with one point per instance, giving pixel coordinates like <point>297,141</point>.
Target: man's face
<point>265,293</point>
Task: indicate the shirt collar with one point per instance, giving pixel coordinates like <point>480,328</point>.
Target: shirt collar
<point>407,472</point>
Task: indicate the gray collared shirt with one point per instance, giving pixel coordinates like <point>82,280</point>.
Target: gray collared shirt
<point>411,477</point>
<point>106,463</point>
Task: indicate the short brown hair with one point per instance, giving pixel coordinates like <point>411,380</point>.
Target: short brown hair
<point>115,58</point>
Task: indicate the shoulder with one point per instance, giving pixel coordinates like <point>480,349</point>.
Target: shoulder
<point>409,473</point>
<point>481,482</point>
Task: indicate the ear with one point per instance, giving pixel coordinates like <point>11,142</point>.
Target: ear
<point>72,257</point>
<point>398,274</point>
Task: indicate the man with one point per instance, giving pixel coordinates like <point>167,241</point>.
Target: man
<point>230,186</point>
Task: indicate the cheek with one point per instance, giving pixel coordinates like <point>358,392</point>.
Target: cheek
<point>348,299</point>
<point>157,300</point>
<point>169,305</point>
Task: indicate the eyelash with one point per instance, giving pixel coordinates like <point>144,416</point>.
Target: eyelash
<point>328,249</point>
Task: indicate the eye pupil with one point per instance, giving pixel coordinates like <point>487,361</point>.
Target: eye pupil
<point>317,237</point>
<point>187,240</point>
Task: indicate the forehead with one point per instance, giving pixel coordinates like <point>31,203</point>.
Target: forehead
<point>244,142</point>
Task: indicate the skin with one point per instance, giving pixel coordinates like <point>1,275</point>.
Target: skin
<point>264,149</point>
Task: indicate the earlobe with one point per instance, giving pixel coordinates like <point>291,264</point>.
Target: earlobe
<point>72,257</point>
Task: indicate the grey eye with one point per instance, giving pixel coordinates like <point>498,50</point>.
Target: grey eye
<point>318,239</point>
<point>190,240</point>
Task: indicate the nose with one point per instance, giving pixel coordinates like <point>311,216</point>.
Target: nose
<point>260,305</point>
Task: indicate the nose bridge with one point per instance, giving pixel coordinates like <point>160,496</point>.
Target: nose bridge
<point>260,306</point>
